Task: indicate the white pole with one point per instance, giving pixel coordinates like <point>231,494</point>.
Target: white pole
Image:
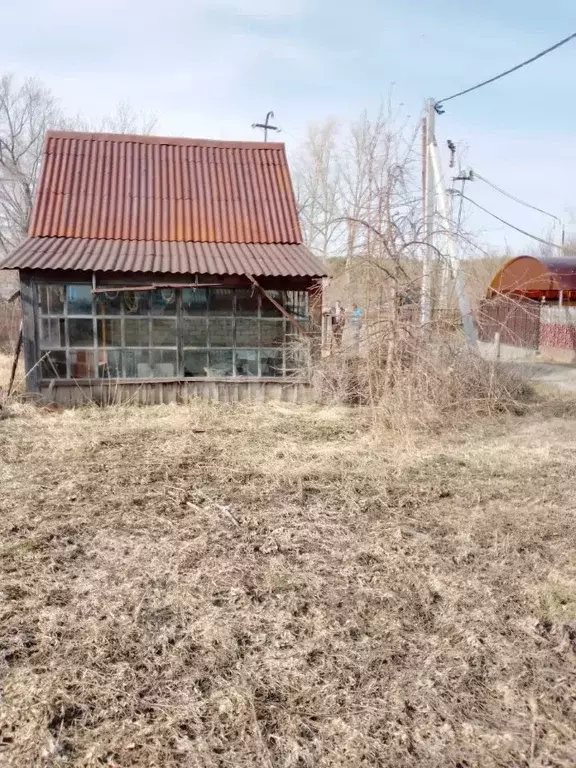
<point>459,282</point>
<point>429,195</point>
<point>445,269</point>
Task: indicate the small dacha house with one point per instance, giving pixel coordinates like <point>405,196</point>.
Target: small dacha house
<point>158,269</point>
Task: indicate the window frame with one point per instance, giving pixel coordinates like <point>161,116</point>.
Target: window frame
<point>290,298</point>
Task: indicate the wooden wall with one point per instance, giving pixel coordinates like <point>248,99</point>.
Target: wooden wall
<point>71,394</point>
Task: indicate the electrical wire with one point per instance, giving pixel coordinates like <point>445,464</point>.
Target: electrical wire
<point>507,223</point>
<point>512,197</point>
<point>438,104</point>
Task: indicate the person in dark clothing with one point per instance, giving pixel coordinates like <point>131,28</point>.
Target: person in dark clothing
<point>338,320</point>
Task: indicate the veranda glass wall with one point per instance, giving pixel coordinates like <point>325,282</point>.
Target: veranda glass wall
<point>167,333</point>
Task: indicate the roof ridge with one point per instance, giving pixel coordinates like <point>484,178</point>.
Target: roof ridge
<point>133,138</point>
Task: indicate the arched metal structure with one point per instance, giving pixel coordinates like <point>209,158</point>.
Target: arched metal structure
<point>531,277</point>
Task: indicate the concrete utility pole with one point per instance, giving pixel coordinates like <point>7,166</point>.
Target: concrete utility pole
<point>459,282</point>
<point>436,189</point>
<point>429,204</point>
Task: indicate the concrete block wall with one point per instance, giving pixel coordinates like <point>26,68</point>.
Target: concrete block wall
<point>220,330</point>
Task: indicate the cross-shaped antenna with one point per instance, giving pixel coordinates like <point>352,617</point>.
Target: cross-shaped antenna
<point>265,126</point>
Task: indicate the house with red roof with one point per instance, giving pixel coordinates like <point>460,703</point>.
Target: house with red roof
<point>160,269</point>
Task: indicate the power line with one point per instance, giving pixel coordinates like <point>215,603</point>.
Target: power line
<point>512,197</point>
<point>507,223</point>
<point>438,104</point>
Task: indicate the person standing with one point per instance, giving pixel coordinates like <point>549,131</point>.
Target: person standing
<point>338,320</point>
<point>357,322</point>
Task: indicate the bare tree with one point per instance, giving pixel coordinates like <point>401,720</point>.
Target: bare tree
<point>124,119</point>
<point>317,186</point>
<point>27,110</point>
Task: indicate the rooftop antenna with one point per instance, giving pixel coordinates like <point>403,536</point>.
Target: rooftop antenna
<point>265,126</point>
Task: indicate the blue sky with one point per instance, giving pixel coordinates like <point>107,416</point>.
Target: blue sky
<point>213,67</point>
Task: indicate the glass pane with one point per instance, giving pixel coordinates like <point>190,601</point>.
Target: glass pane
<point>247,362</point>
<point>271,333</point>
<point>79,299</point>
<point>268,309</point>
<point>195,362</point>
<point>137,332</point>
<point>247,300</point>
<point>220,331</point>
<point>109,303</point>
<point>109,333</point>
<point>220,301</point>
<point>163,363</point>
<point>81,364</point>
<point>194,301</point>
<point>247,332</point>
<point>109,364</point>
<point>136,302</point>
<point>164,333</point>
<point>271,362</point>
<point>220,363</point>
<point>297,303</point>
<point>137,362</point>
<point>163,301</point>
<point>52,332</point>
<point>296,360</point>
<point>80,333</point>
<point>52,299</point>
<point>194,332</point>
<point>53,365</point>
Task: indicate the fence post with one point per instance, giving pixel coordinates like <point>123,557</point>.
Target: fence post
<point>497,345</point>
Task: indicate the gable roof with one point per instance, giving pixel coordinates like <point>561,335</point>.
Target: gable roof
<point>118,194</point>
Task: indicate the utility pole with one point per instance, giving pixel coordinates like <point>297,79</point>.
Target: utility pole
<point>429,205</point>
<point>265,126</point>
<point>463,177</point>
<point>459,281</point>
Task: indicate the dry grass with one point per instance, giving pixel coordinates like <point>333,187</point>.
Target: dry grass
<point>428,381</point>
<point>203,586</point>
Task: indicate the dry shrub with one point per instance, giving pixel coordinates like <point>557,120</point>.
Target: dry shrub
<point>9,324</point>
<point>442,381</point>
<point>420,378</point>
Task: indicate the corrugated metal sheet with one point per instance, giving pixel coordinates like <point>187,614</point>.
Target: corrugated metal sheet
<point>123,187</point>
<point>272,260</point>
<point>532,275</point>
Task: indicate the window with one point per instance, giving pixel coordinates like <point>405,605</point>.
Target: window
<point>80,332</point>
<point>268,308</point>
<point>272,362</point>
<point>247,362</point>
<point>109,333</point>
<point>247,302</point>
<point>166,332</point>
<point>79,299</point>
<point>163,301</point>
<point>194,301</point>
<point>221,301</point>
<point>195,362</point>
<point>220,362</point>
<point>53,365</point>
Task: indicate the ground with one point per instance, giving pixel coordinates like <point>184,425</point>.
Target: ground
<point>285,587</point>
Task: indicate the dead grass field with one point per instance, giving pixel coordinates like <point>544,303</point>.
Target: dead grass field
<point>230,586</point>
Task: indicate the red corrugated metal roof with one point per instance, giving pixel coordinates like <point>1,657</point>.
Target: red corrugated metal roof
<point>121,187</point>
<point>141,203</point>
<point>272,260</point>
<point>533,275</point>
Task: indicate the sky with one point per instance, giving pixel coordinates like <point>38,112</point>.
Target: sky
<point>211,68</point>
